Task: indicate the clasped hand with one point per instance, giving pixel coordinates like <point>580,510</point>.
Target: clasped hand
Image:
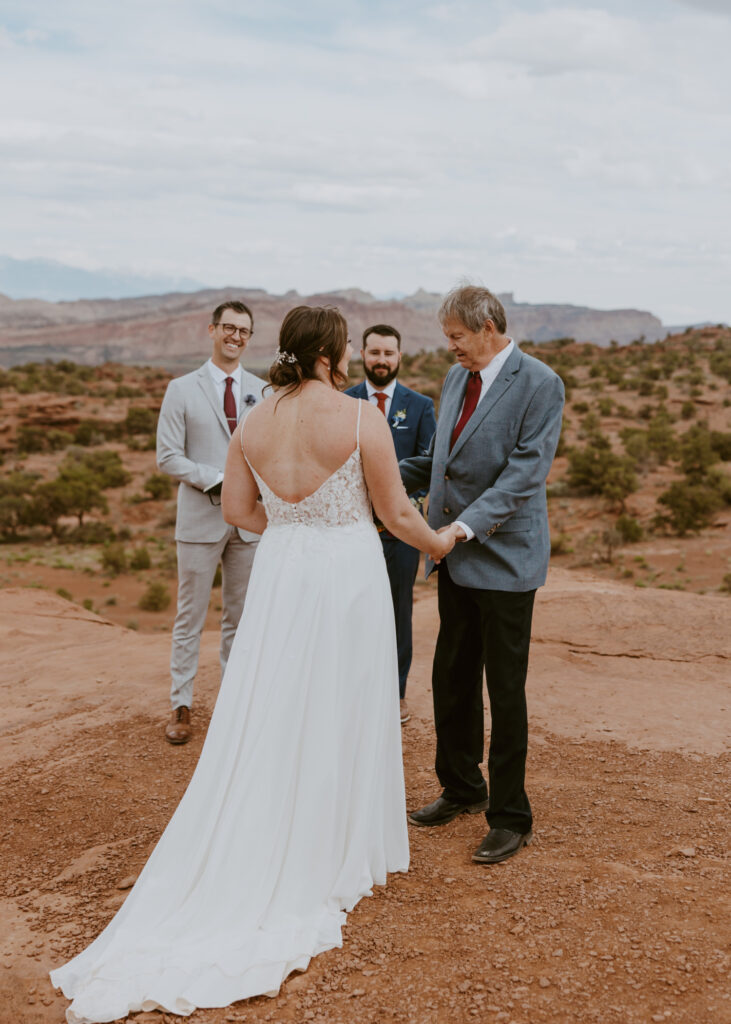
<point>445,539</point>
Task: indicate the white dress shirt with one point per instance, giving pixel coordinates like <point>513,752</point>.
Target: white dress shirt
<point>218,376</point>
<point>219,379</point>
<point>489,375</point>
<point>387,391</point>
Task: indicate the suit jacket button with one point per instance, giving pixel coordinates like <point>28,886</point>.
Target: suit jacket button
<point>446,510</point>
<point>447,476</point>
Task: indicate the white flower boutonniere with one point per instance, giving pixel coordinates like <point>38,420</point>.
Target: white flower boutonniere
<point>398,418</point>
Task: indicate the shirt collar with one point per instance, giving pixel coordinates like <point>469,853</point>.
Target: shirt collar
<point>497,362</point>
<point>388,391</point>
<point>219,375</point>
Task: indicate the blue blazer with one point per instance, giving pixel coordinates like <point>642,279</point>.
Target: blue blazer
<point>412,432</point>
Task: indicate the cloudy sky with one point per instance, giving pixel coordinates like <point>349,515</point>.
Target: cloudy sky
<point>567,151</point>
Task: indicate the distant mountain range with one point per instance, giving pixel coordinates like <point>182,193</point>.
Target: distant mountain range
<point>170,329</point>
<point>59,282</point>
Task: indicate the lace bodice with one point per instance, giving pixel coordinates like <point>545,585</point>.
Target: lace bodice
<point>341,500</point>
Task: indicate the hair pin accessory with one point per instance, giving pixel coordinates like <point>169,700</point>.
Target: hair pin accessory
<point>286,357</point>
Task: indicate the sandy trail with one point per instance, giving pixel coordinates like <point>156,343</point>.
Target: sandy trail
<point>615,914</point>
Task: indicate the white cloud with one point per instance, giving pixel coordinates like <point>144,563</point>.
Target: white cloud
<point>580,149</point>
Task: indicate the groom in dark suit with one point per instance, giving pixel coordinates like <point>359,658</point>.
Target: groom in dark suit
<point>412,422</point>
<point>499,424</point>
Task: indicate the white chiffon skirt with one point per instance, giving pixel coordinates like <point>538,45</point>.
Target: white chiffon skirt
<point>296,807</point>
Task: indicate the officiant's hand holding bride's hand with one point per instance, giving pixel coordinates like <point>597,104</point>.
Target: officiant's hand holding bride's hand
<point>444,541</point>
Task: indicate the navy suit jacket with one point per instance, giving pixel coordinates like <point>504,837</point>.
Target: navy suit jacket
<point>412,432</point>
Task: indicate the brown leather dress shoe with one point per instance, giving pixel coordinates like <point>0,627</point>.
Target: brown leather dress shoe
<point>178,728</point>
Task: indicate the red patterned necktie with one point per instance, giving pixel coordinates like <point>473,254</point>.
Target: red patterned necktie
<point>381,399</point>
<point>471,397</point>
<point>229,404</point>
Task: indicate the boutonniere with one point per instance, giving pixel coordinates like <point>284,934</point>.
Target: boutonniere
<point>250,400</point>
<point>398,417</point>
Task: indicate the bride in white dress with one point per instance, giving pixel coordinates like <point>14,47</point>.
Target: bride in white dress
<point>296,808</point>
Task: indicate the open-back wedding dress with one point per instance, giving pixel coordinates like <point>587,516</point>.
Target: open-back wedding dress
<point>296,807</point>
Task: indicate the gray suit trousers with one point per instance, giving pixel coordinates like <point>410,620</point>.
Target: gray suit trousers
<point>196,568</point>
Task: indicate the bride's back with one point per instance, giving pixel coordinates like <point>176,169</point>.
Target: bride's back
<point>296,441</point>
<point>301,434</point>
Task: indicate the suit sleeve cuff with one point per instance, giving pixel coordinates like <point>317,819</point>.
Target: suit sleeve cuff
<point>467,529</point>
<point>216,482</point>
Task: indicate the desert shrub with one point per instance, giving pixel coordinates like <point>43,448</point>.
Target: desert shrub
<point>580,407</point>
<point>114,558</point>
<point>148,442</point>
<point>687,410</point>
<point>30,439</point>
<point>661,438</point>
<point>605,406</point>
<point>65,594</point>
<point>629,529</point>
<point>696,452</point>
<point>661,392</point>
<point>726,584</point>
<point>645,388</point>
<point>156,598</point>
<point>690,507</point>
<point>73,494</point>
<point>16,490</point>
<point>721,444</point>
<point>590,426</point>
<point>104,467</point>
<point>90,433</point>
<point>635,444</point>
<point>561,544</point>
<point>158,486</point>
<point>719,361</point>
<point>140,420</point>
<point>596,469</point>
<point>95,532</point>
<point>88,604</point>
<point>140,559</point>
<point>57,440</point>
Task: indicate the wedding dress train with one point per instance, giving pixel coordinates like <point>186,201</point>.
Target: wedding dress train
<point>296,808</point>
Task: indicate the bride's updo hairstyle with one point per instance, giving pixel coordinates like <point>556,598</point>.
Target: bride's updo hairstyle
<point>308,332</point>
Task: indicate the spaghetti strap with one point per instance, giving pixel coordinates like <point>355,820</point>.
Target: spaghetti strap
<point>357,426</point>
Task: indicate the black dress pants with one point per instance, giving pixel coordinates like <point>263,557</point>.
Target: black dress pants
<point>402,563</point>
<point>479,629</point>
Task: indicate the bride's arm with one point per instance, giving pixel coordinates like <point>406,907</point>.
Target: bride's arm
<point>240,493</point>
<point>390,501</point>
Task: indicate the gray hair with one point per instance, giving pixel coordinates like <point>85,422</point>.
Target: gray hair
<point>472,305</point>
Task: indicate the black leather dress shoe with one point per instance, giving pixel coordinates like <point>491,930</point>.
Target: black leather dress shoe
<point>499,844</point>
<point>442,811</point>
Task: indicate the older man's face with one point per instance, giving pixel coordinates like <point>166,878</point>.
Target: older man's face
<point>472,348</point>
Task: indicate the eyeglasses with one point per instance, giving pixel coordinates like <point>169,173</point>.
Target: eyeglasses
<point>230,330</point>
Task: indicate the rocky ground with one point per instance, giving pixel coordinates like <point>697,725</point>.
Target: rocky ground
<point>616,913</point>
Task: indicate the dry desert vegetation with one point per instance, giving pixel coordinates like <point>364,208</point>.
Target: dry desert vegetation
<point>617,913</point>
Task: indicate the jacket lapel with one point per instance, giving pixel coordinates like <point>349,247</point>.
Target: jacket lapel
<point>498,388</point>
<point>209,390</point>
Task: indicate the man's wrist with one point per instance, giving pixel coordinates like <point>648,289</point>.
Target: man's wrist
<point>468,532</point>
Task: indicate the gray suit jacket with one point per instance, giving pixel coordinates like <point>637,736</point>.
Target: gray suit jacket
<point>192,443</point>
<point>494,479</point>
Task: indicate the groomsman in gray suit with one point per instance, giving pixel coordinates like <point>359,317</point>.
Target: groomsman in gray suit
<point>499,424</point>
<point>198,415</point>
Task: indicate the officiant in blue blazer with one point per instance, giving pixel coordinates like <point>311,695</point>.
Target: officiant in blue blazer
<point>413,423</point>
